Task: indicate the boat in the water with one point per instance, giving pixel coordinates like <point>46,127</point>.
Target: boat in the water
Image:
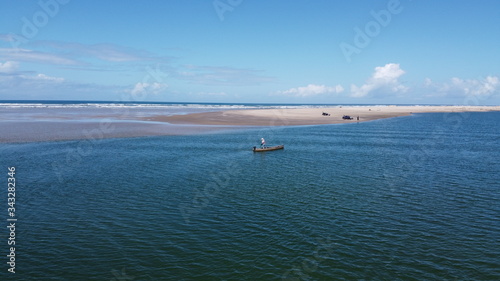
<point>270,148</point>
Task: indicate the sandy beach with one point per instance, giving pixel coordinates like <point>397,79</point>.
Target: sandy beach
<point>309,116</point>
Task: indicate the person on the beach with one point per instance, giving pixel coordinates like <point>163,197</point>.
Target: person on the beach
<point>262,142</point>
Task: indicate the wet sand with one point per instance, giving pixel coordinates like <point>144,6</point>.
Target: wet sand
<point>35,131</point>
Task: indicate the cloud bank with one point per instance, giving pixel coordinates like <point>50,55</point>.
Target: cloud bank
<point>471,87</point>
<point>484,89</point>
<point>148,88</point>
<point>221,76</point>
<point>311,90</point>
<point>383,81</point>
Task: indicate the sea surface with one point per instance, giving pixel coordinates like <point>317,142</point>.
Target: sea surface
<point>407,198</point>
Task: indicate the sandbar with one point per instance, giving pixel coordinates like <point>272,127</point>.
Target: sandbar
<point>53,126</point>
<point>309,116</point>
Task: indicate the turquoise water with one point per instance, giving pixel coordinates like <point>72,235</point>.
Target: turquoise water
<point>409,198</point>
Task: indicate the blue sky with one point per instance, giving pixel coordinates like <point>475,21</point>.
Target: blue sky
<point>325,51</point>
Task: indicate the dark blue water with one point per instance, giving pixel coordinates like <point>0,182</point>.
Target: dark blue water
<point>410,198</point>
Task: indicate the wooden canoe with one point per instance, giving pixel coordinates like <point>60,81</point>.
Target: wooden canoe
<point>258,149</point>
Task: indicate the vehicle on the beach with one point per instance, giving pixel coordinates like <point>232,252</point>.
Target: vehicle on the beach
<point>256,149</point>
<point>347,117</point>
<point>326,114</point>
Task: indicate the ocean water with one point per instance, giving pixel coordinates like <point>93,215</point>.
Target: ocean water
<point>408,198</point>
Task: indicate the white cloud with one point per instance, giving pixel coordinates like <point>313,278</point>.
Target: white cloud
<point>35,56</point>
<point>21,86</point>
<point>17,79</point>
<point>8,67</point>
<point>6,37</point>
<point>383,80</point>
<point>473,87</point>
<point>427,82</point>
<point>468,87</point>
<point>311,90</point>
<point>105,52</point>
<point>42,76</point>
<point>42,86</point>
<point>222,76</point>
<point>152,88</point>
<point>74,54</point>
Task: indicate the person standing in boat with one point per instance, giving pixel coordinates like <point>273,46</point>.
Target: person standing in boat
<point>262,142</point>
